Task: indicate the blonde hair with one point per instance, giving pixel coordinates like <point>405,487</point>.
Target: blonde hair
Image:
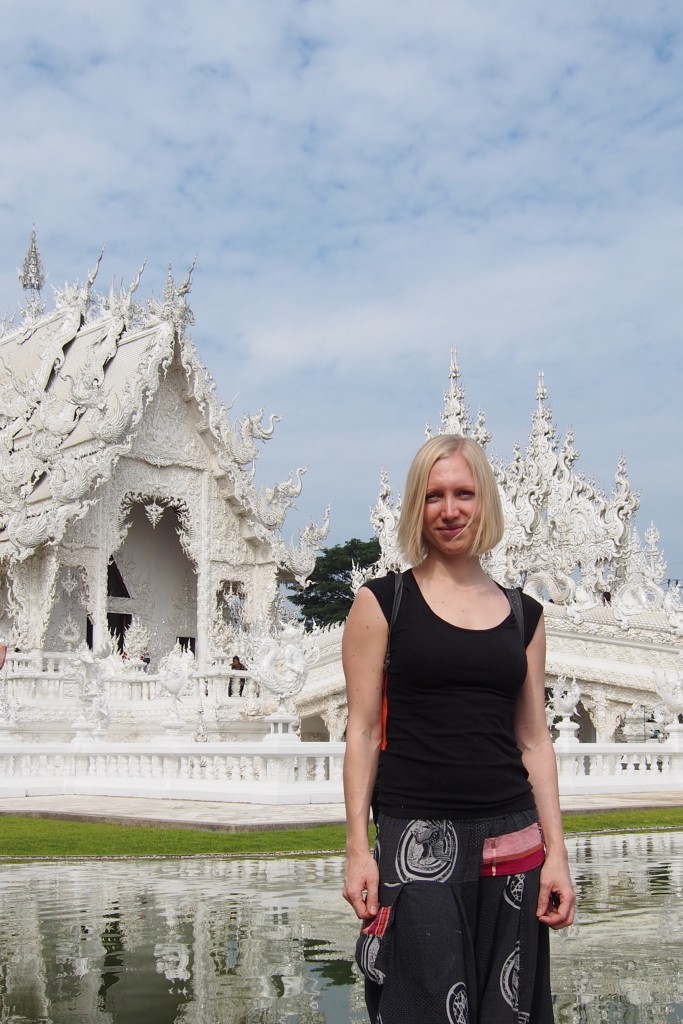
<point>491,524</point>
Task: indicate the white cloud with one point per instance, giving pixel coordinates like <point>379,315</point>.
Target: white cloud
<point>365,186</point>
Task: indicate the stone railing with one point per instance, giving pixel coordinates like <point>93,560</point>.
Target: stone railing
<point>48,682</point>
<point>37,663</point>
<point>223,683</point>
<point>273,770</point>
<point>619,768</point>
<point>53,675</point>
<point>278,770</point>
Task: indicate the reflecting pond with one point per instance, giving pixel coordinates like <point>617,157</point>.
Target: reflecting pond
<point>214,941</point>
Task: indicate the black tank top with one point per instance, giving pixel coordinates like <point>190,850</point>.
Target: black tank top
<point>451,749</point>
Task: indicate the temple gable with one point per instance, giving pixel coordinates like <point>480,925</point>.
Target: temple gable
<point>118,460</point>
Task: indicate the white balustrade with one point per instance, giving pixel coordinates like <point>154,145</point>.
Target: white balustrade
<point>50,677</point>
<point>619,767</point>
<point>277,769</point>
<point>261,772</point>
<point>268,772</point>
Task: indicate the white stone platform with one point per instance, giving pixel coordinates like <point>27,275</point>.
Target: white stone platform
<point>220,816</point>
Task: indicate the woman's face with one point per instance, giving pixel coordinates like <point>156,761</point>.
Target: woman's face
<point>451,514</point>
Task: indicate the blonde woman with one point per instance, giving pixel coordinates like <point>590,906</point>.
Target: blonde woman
<point>470,867</point>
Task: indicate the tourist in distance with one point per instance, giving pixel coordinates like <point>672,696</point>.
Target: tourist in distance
<point>470,867</point>
<point>236,681</point>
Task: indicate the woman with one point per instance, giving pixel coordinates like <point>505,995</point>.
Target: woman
<point>470,866</point>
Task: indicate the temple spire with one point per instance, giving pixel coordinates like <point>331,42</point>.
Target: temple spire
<point>32,275</point>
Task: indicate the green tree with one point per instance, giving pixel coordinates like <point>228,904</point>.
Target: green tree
<point>328,596</point>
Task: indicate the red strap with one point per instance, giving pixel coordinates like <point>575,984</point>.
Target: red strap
<point>384,712</point>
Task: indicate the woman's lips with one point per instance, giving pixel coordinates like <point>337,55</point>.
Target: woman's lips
<point>451,531</point>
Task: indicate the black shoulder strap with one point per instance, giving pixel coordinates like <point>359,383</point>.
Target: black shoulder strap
<point>398,590</point>
<point>515,598</point>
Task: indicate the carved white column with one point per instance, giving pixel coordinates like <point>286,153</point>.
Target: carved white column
<point>31,595</point>
<point>99,585</point>
<point>334,716</point>
<point>203,530</point>
<point>604,713</point>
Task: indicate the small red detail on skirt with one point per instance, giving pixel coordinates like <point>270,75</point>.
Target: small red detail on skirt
<point>378,925</point>
<point>514,853</point>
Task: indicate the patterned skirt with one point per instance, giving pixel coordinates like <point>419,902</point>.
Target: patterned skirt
<point>456,940</point>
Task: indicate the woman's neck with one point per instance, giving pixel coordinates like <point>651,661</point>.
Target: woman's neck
<point>463,572</point>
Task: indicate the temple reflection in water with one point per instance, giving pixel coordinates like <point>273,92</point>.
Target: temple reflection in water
<point>205,941</point>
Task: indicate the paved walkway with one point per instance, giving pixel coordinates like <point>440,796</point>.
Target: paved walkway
<point>219,816</point>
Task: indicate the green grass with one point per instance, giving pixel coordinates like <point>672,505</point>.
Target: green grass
<point>51,837</point>
<point>650,819</point>
<point>42,837</point>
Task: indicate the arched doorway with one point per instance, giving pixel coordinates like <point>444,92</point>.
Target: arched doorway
<point>159,578</point>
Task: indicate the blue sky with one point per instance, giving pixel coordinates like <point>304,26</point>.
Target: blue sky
<point>365,186</point>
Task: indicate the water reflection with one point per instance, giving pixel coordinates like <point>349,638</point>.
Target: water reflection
<point>623,962</point>
<point>270,941</point>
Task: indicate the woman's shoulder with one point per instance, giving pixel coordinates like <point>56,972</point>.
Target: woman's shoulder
<point>383,588</point>
<point>533,610</point>
<point>531,605</point>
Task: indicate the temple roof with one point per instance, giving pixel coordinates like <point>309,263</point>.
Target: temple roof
<point>75,383</point>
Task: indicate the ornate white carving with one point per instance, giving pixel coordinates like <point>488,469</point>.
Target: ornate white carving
<point>238,442</point>
<point>136,640</point>
<point>300,561</point>
<point>669,686</point>
<point>31,594</point>
<point>564,698</point>
<point>154,512</point>
<point>280,659</point>
<point>175,673</point>
<point>384,518</point>
<point>455,417</point>
<point>92,702</point>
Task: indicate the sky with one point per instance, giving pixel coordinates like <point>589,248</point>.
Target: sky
<point>365,186</point>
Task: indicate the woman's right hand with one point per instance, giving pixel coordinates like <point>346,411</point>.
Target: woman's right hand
<point>361,888</point>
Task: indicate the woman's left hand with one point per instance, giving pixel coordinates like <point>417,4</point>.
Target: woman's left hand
<point>556,897</point>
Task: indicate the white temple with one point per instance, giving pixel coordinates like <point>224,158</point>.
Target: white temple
<point>130,519</point>
<point>138,557</point>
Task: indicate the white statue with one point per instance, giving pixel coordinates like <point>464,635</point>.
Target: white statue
<point>669,686</point>
<point>92,702</point>
<point>564,699</point>
<point>279,658</point>
<point>175,675</point>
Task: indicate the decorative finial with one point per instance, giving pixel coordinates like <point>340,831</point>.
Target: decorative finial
<point>541,390</point>
<point>169,290</point>
<point>455,418</point>
<point>453,371</point>
<point>32,275</point>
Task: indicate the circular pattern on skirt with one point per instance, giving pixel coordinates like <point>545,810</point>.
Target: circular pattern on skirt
<point>366,954</point>
<point>427,851</point>
<point>509,978</point>
<point>514,891</point>
<point>457,1006</point>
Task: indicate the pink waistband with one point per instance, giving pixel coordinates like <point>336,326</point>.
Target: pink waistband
<point>513,853</point>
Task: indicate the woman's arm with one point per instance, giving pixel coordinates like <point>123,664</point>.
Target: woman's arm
<point>556,897</point>
<point>363,650</point>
